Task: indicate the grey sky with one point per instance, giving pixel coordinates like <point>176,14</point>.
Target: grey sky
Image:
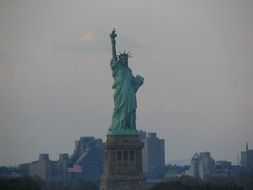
<point>55,81</point>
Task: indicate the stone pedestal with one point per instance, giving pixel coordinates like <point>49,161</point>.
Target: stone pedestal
<point>123,163</point>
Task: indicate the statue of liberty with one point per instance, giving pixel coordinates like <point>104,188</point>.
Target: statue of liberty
<point>125,87</point>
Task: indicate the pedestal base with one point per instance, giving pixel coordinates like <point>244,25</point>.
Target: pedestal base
<point>123,163</point>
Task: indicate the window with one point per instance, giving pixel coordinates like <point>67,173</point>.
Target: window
<point>131,155</point>
<point>118,155</point>
<point>125,156</point>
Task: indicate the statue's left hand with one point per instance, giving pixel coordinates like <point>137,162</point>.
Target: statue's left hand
<point>140,79</point>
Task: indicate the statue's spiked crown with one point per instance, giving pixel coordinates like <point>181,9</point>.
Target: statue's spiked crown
<point>125,54</point>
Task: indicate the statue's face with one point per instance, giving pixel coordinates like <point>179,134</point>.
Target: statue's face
<point>124,60</point>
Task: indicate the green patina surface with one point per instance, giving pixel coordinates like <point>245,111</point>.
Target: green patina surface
<point>125,88</point>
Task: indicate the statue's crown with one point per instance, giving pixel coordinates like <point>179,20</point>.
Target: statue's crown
<point>127,54</point>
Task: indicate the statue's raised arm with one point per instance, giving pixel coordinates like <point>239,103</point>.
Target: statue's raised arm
<point>113,35</point>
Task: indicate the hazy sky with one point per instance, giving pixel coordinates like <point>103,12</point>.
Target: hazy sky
<point>55,80</point>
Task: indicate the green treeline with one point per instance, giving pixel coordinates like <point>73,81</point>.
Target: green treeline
<point>212,183</point>
<point>27,183</point>
<point>19,183</point>
<point>174,183</point>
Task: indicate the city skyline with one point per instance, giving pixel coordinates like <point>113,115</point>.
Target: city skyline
<point>55,79</point>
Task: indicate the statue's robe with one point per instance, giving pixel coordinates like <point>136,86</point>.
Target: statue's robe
<point>125,86</point>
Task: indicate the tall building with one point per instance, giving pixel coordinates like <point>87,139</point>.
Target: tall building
<point>85,163</point>
<point>153,155</point>
<point>247,157</point>
<point>49,170</point>
<point>87,159</point>
<point>202,164</point>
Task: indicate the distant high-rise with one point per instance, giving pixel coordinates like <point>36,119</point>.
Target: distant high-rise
<point>86,162</point>
<point>87,159</point>
<point>49,170</point>
<point>247,157</point>
<point>153,155</point>
<point>202,165</point>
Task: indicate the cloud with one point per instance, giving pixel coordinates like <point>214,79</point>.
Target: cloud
<point>88,43</point>
<point>87,38</point>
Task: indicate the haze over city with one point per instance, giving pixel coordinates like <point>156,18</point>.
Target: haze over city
<point>55,78</point>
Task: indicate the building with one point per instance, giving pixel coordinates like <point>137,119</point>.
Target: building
<point>85,163</point>
<point>153,155</point>
<point>223,165</point>
<point>202,165</point>
<point>87,159</point>
<point>49,170</point>
<point>175,170</point>
<point>13,171</point>
<point>247,158</point>
<point>222,168</point>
